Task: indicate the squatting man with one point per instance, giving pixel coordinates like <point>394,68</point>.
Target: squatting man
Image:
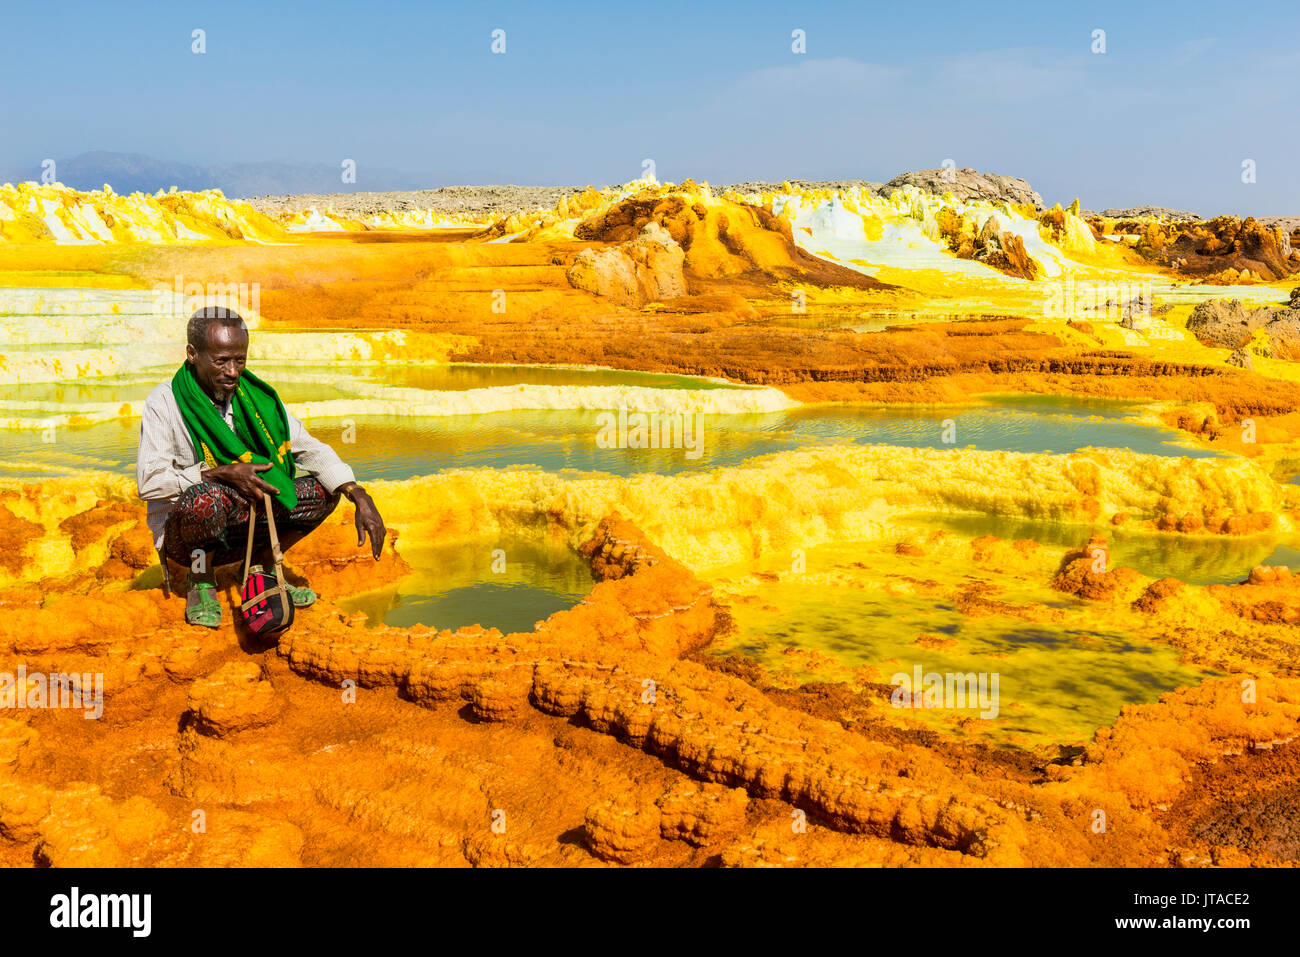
<point>213,440</point>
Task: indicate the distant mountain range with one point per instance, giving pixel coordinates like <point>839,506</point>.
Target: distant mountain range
<point>134,172</point>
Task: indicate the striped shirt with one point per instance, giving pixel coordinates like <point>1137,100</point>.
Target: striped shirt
<point>168,462</point>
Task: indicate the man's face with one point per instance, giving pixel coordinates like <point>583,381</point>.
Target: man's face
<point>220,363</point>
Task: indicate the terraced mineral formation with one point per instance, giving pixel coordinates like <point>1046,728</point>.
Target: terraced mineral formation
<point>726,690</point>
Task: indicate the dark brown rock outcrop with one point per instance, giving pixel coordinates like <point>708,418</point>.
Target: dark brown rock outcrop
<point>967,185</point>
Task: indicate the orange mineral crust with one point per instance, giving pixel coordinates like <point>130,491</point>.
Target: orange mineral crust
<point>720,683</point>
<point>349,745</point>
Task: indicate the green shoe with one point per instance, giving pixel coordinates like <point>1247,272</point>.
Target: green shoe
<point>301,597</point>
<point>201,605</point>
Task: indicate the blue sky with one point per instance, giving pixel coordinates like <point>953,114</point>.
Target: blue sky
<point>586,91</point>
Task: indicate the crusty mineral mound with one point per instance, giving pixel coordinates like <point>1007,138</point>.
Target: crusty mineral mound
<point>1222,322</point>
<point>722,239</point>
<point>1269,574</point>
<point>645,269</point>
<point>1242,360</point>
<point>625,829</point>
<point>233,698</point>
<point>967,185</point>
<point>701,813</point>
<point>1229,324</point>
<point>1225,250</point>
<point>1283,332</point>
<point>1087,573</point>
<point>991,243</point>
<point>502,698</point>
<point>1157,596</point>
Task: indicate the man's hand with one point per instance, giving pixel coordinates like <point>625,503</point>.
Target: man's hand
<point>243,477</point>
<point>367,518</point>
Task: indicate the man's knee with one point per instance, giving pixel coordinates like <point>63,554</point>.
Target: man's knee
<point>197,522</point>
<point>315,504</point>
<point>203,501</point>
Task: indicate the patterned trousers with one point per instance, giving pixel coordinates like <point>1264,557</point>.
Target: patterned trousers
<point>213,518</point>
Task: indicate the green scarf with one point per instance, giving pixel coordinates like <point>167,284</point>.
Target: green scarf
<point>261,431</point>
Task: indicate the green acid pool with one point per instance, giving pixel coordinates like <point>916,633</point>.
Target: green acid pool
<point>1194,559</point>
<point>1058,680</point>
<point>397,447</point>
<point>510,585</point>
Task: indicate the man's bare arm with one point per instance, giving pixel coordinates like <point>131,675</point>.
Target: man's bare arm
<point>368,520</point>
